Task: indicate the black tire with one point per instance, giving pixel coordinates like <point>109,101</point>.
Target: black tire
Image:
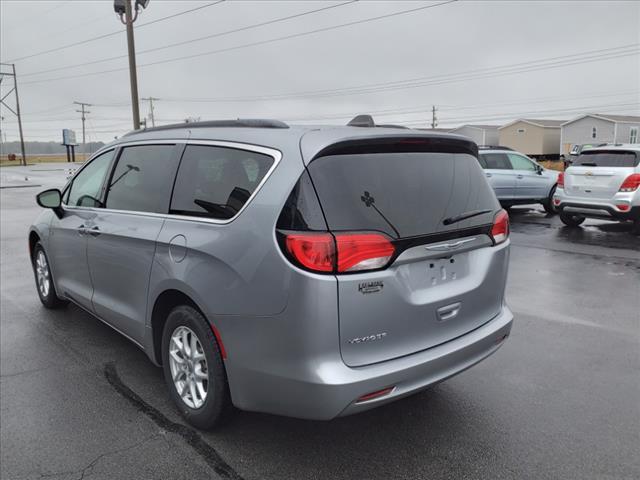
<point>217,406</point>
<point>571,220</point>
<point>635,227</point>
<point>548,205</point>
<point>49,296</point>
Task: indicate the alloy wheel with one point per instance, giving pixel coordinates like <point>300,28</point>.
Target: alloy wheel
<point>188,367</point>
<point>42,274</point>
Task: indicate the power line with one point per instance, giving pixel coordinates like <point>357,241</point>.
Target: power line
<point>428,108</point>
<point>252,44</point>
<point>106,35</point>
<point>510,115</point>
<point>522,67</point>
<point>186,42</point>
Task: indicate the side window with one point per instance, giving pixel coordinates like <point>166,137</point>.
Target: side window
<point>497,161</point>
<point>86,186</point>
<point>142,179</point>
<point>482,161</point>
<point>518,162</point>
<point>216,182</point>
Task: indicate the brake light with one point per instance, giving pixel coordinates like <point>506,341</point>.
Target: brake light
<point>313,251</point>
<point>623,207</point>
<point>500,229</point>
<point>339,253</point>
<point>631,183</point>
<point>561,180</point>
<point>363,251</point>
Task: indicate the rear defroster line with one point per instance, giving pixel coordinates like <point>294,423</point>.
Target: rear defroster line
<point>193,438</point>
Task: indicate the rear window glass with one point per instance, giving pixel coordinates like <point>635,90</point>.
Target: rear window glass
<point>216,182</point>
<point>607,159</point>
<point>402,194</point>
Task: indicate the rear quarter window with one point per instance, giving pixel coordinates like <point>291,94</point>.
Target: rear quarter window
<point>216,182</point>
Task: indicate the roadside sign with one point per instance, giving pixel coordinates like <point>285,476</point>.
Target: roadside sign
<point>68,137</point>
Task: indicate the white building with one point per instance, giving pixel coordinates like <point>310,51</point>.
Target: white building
<point>595,128</point>
<point>481,134</point>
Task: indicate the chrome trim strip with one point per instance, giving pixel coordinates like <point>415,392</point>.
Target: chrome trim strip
<point>272,152</point>
<point>588,211</point>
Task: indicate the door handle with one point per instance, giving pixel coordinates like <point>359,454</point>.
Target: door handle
<point>94,231</point>
<point>82,230</point>
<point>448,312</point>
<point>520,176</point>
<point>488,175</point>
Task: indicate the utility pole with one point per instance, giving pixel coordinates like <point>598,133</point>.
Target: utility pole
<point>84,117</point>
<point>123,9</point>
<point>151,115</point>
<point>16,112</point>
<point>434,118</point>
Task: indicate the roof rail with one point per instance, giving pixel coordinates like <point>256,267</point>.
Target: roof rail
<point>494,147</point>
<point>239,123</point>
<point>392,126</point>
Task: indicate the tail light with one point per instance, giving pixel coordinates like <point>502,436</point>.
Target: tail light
<point>363,251</point>
<point>631,183</point>
<point>313,251</point>
<point>500,229</point>
<point>341,252</point>
<point>561,180</point>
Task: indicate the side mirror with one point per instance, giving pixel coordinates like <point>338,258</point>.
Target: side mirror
<point>50,199</point>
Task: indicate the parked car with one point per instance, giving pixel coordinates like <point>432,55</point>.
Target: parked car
<point>517,179</point>
<point>603,182</point>
<point>306,272</point>
<point>575,151</point>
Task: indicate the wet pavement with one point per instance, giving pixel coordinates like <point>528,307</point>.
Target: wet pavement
<point>561,399</point>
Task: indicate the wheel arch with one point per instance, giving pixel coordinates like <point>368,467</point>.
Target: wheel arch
<point>164,303</point>
<point>34,238</point>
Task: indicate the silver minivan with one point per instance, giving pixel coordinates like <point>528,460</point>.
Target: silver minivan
<point>311,272</point>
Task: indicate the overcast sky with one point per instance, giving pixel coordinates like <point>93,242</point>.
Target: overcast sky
<point>477,61</point>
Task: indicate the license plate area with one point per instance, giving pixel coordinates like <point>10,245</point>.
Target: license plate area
<point>447,270</point>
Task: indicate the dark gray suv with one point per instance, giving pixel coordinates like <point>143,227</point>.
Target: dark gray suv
<point>312,272</point>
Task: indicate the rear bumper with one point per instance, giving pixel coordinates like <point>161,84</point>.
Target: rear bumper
<point>332,388</point>
<point>606,210</point>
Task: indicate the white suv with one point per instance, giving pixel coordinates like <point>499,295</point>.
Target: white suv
<point>603,182</point>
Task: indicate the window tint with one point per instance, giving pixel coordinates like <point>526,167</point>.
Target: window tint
<point>518,162</point>
<point>216,182</point>
<point>613,158</point>
<point>302,210</point>
<point>402,194</point>
<point>86,187</point>
<point>496,161</point>
<point>142,179</point>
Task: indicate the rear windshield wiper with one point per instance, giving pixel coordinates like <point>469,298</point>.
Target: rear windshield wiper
<point>464,216</point>
<point>587,164</point>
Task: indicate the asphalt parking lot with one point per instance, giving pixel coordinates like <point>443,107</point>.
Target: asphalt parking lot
<point>561,399</point>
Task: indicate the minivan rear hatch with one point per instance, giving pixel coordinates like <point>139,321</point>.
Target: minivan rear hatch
<point>429,197</point>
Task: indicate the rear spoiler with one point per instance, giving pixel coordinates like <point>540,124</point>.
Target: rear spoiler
<point>400,144</point>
